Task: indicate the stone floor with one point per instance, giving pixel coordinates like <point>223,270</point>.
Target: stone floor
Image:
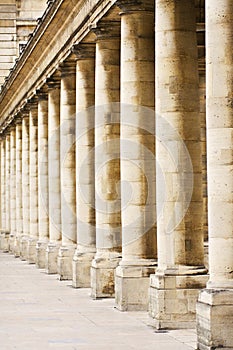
<point>39,312</point>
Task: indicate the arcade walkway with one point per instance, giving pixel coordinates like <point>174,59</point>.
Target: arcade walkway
<point>38,312</point>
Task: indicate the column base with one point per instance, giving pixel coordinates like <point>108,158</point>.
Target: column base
<point>132,284</point>
<point>215,319</point>
<point>41,247</point>
<point>31,250</point>
<point>51,255</point>
<point>103,276</point>
<point>172,299</point>
<point>82,269</point>
<point>11,242</point>
<point>64,262</point>
<point>4,242</point>
<point>23,244</point>
<point>17,246</point>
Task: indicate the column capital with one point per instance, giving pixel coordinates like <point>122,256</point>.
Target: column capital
<point>18,118</point>
<point>32,102</point>
<point>54,81</point>
<point>128,6</point>
<point>7,132</point>
<point>24,111</point>
<point>84,51</point>
<point>106,29</point>
<point>68,66</point>
<point>2,135</point>
<point>12,125</point>
<point>42,93</point>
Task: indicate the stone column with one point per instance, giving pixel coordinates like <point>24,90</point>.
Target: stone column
<point>54,174</point>
<point>7,191</point>
<point>107,163</point>
<point>25,183</point>
<point>3,192</point>
<point>215,304</point>
<point>12,188</point>
<point>181,273</point>
<point>43,191</point>
<point>33,180</point>
<point>67,164</point>
<point>202,94</point>
<point>19,200</point>
<point>137,156</point>
<point>85,165</point>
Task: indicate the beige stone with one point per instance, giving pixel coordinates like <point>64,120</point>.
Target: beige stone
<point>107,165</point>
<point>19,203</point>
<point>12,188</point>
<point>33,181</point>
<point>137,157</point>
<point>54,196</point>
<point>43,205</point>
<point>180,208</point>
<point>67,166</point>
<point>85,189</point>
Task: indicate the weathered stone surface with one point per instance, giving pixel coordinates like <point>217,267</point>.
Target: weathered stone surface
<point>64,262</point>
<point>172,300</point>
<point>215,319</point>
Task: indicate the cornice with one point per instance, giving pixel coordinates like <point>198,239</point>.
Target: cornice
<point>64,23</point>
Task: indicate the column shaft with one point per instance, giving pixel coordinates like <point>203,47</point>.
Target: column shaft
<point>215,304</point>
<point>3,192</point>
<point>85,165</point>
<point>7,178</point>
<point>137,156</point>
<point>43,191</point>
<point>67,164</point>
<point>181,271</point>
<point>33,181</point>
<point>19,201</point>
<point>107,160</point>
<point>12,188</point>
<point>25,184</point>
<point>54,174</point>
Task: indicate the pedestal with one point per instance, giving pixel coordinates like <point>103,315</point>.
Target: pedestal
<point>17,246</point>
<point>23,247</point>
<point>82,269</point>
<point>215,319</point>
<point>172,299</point>
<point>11,242</point>
<point>103,277</point>
<point>132,285</point>
<point>31,250</point>
<point>4,242</point>
<point>64,262</point>
<point>51,255</point>
<point>41,254</point>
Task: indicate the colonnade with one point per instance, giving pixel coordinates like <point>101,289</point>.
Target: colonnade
<point>102,168</point>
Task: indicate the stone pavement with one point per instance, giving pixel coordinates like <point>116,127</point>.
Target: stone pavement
<point>39,312</point>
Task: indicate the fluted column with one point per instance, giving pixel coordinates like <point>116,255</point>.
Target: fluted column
<point>19,200</point>
<point>43,194</point>
<point>67,167</point>
<point>7,191</point>
<point>3,192</point>
<point>54,173</point>
<point>85,166</point>
<point>33,180</point>
<point>12,188</point>
<point>215,304</point>
<point>25,183</point>
<point>107,164</point>
<point>137,155</point>
<point>181,273</point>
